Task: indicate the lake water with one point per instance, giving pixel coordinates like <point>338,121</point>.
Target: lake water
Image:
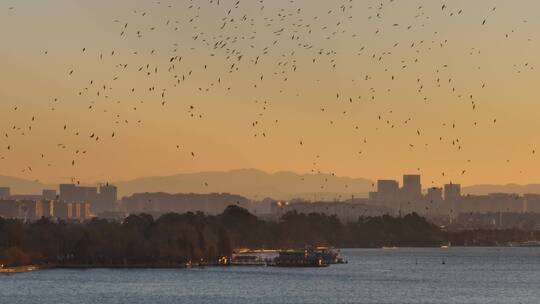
<point>468,275</point>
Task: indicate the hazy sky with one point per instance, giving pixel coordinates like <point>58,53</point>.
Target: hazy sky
<point>360,88</point>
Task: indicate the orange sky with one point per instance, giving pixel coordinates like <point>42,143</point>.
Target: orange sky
<point>418,67</point>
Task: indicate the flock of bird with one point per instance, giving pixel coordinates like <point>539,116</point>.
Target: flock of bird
<point>276,54</point>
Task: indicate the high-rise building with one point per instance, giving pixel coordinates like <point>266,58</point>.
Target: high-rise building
<point>85,210</point>
<point>434,194</point>
<point>86,195</point>
<point>49,194</point>
<point>108,195</point>
<point>29,210</point>
<point>387,190</point>
<point>63,210</point>
<point>74,194</point>
<point>101,201</point>
<point>532,202</point>
<point>5,193</point>
<point>9,209</point>
<point>452,192</point>
<point>67,192</point>
<point>412,188</point>
<point>47,208</point>
<point>77,210</point>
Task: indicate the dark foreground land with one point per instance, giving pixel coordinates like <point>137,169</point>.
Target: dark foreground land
<point>180,239</point>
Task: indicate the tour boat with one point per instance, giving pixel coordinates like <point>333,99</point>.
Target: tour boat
<point>299,258</point>
<point>248,260</point>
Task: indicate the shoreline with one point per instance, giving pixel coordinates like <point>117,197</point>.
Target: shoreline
<point>34,268</point>
<point>20,269</point>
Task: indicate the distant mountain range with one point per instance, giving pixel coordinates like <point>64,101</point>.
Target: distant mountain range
<point>250,183</point>
<point>256,184</point>
<point>23,186</point>
<point>509,188</point>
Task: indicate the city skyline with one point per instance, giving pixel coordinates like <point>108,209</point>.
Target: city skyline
<point>257,184</point>
<point>442,205</point>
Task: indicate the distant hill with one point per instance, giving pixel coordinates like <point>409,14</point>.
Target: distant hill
<point>509,188</point>
<point>256,184</point>
<point>253,184</point>
<point>23,186</point>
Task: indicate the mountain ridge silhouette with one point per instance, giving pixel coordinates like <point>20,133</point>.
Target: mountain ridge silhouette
<point>256,184</point>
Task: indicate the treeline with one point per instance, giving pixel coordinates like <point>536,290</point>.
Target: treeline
<point>173,238</point>
<point>138,240</point>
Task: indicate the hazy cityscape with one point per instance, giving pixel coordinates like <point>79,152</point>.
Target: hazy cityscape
<point>444,206</point>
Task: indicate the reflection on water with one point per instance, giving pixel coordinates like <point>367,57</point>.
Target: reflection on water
<point>455,275</point>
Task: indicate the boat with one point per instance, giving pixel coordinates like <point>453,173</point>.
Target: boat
<point>299,258</point>
<point>330,255</point>
<point>247,260</point>
<point>251,257</point>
